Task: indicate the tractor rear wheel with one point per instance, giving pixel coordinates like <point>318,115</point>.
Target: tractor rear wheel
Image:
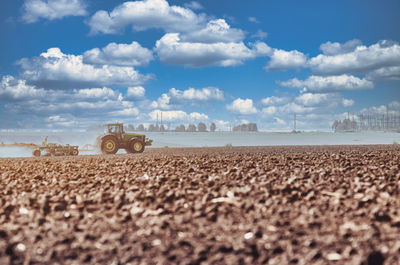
<point>109,145</point>
<point>136,146</point>
<point>36,153</point>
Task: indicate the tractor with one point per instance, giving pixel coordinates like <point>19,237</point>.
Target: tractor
<point>116,138</point>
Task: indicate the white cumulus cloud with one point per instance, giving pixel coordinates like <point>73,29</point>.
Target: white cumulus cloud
<point>242,106</point>
<point>178,115</point>
<point>56,69</point>
<point>96,93</point>
<point>269,110</point>
<point>194,5</point>
<point>329,83</point>
<point>163,102</point>
<point>135,92</point>
<point>335,48</point>
<point>385,73</point>
<point>204,94</point>
<point>17,89</point>
<point>172,50</point>
<point>215,31</point>
<point>347,102</point>
<point>362,59</point>
<point>273,100</point>
<point>119,54</point>
<point>33,10</point>
<point>283,60</point>
<point>143,15</point>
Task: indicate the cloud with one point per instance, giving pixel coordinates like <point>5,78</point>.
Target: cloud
<point>269,110</point>
<point>204,94</point>
<point>58,70</point>
<point>292,107</point>
<point>163,102</point>
<point>362,59</point>
<point>96,93</point>
<point>33,10</point>
<point>335,48</point>
<point>385,73</point>
<point>12,89</point>
<point>143,15</point>
<point>176,97</point>
<point>309,99</point>
<point>279,121</point>
<point>126,112</point>
<point>215,31</point>
<point>171,50</point>
<point>260,34</point>
<point>60,121</point>
<point>304,104</point>
<point>242,106</point>
<point>283,60</point>
<point>65,106</point>
<point>326,101</point>
<point>274,100</point>
<point>253,19</point>
<point>347,102</point>
<point>119,54</point>
<point>178,115</point>
<point>329,83</point>
<point>194,5</point>
<point>136,92</point>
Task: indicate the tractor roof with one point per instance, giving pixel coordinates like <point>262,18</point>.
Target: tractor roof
<point>113,124</point>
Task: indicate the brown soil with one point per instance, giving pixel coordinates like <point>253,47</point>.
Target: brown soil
<point>236,205</point>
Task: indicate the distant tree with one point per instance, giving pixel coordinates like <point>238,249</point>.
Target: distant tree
<point>213,127</point>
<point>152,128</point>
<point>162,128</point>
<point>140,128</point>
<point>335,125</point>
<point>252,127</point>
<point>201,127</point>
<point>191,128</point>
<point>180,128</point>
<point>131,128</point>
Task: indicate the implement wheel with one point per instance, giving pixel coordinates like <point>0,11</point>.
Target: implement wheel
<point>75,152</point>
<point>109,145</point>
<point>36,153</point>
<point>136,146</point>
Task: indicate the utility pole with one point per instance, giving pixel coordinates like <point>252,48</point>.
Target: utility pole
<point>387,117</point>
<point>294,122</point>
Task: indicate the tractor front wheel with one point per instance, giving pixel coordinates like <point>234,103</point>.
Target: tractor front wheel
<point>136,146</point>
<point>109,145</point>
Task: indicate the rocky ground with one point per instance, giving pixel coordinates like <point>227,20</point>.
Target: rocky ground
<point>231,205</point>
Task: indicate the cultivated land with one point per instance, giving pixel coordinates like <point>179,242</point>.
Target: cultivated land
<point>233,205</point>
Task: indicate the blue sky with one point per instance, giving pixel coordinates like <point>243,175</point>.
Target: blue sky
<point>73,63</point>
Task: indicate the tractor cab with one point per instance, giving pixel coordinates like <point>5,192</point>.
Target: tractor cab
<point>116,129</point>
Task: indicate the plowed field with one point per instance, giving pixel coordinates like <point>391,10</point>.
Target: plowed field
<point>233,205</point>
